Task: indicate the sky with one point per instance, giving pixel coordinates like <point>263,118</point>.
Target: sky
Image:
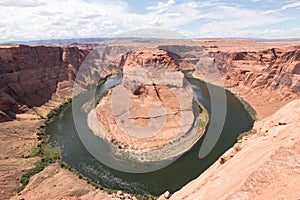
<point>61,19</point>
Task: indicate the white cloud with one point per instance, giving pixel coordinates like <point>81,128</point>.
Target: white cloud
<point>62,19</point>
<point>162,6</point>
<point>22,3</point>
<point>291,5</point>
<point>38,19</point>
<point>287,6</point>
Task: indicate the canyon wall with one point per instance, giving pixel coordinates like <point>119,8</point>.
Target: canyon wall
<point>30,75</point>
<point>265,75</point>
<point>267,69</point>
<point>267,79</point>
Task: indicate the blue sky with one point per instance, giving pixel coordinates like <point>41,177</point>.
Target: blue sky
<point>42,19</point>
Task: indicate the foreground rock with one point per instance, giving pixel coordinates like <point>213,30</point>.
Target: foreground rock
<point>16,142</point>
<point>61,184</point>
<point>264,165</point>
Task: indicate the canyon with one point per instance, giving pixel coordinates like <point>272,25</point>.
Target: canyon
<point>262,165</point>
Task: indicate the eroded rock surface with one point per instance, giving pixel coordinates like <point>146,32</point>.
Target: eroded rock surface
<point>56,183</point>
<point>265,74</point>
<point>152,107</point>
<point>32,75</point>
<point>263,165</point>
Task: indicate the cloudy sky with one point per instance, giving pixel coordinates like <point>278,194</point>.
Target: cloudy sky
<point>43,19</point>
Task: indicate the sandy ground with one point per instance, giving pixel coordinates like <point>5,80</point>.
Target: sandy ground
<point>55,183</point>
<point>17,140</point>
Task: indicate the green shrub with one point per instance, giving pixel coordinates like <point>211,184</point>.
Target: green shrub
<point>43,149</point>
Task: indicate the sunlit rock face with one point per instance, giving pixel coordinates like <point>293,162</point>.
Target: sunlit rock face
<point>153,105</point>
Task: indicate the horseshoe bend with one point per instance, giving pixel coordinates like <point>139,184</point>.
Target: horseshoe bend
<point>152,111</point>
<point>157,102</point>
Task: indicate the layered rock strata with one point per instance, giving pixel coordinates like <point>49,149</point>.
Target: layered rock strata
<point>32,75</point>
<point>263,165</point>
<point>151,108</point>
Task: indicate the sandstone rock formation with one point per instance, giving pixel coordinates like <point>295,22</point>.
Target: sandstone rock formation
<point>151,108</point>
<point>264,74</point>
<point>30,76</point>
<point>142,57</point>
<point>17,138</point>
<point>266,166</point>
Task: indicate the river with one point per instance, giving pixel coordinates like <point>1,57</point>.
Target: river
<point>64,135</point>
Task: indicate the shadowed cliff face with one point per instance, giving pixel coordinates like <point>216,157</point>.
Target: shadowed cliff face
<point>29,76</point>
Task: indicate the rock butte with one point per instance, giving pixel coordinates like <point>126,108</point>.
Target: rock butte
<point>264,165</point>
<point>151,108</point>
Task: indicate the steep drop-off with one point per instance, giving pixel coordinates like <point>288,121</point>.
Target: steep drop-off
<point>32,75</point>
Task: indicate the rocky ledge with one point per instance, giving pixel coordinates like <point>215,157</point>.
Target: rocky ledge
<point>151,111</point>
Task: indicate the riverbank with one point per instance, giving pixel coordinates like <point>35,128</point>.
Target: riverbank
<point>48,165</point>
<point>172,150</point>
<point>64,132</point>
<point>177,146</point>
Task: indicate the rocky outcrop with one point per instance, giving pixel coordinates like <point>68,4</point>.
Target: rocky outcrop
<point>143,57</point>
<point>151,108</point>
<point>31,75</point>
<point>17,138</point>
<point>267,79</point>
<point>54,183</point>
<point>266,75</point>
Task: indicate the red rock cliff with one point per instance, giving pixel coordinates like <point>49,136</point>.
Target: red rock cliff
<point>29,75</point>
